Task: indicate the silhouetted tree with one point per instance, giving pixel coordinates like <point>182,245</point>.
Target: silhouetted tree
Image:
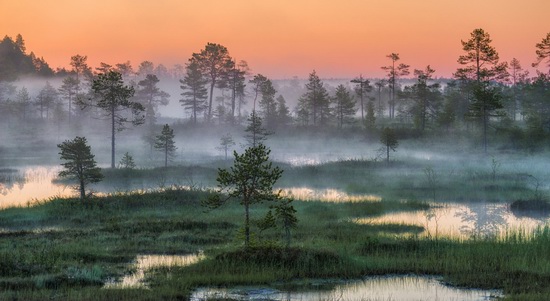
<point>537,110</point>
<point>68,91</point>
<point>447,116</point>
<point>426,98</point>
<point>161,71</point>
<point>543,52</point>
<point>22,104</point>
<point>486,102</point>
<point>518,77</point>
<point>362,89</point>
<point>214,62</point>
<point>79,63</point>
<point>146,67</point>
<point>316,100</point>
<point>125,69</point>
<point>114,99</point>
<point>194,90</point>
<point>389,140</point>
<point>151,97</point>
<point>165,143</point>
<point>394,72</point>
<point>380,84</point>
<point>127,161</point>
<point>80,165</point>
<point>255,132</point>
<point>250,180</point>
<point>370,120</point>
<point>481,60</point>
<point>235,79</point>
<point>257,83</point>
<point>46,100</point>
<point>13,60</point>
<point>20,43</point>
<point>343,106</point>
<point>283,113</point>
<point>226,142</point>
<point>104,68</point>
<point>268,104</point>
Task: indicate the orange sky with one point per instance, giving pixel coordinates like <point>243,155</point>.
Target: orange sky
<point>278,38</point>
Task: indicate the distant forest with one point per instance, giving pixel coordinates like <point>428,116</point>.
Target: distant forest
<point>487,98</point>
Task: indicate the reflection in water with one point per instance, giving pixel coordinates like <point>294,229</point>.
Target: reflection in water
<point>372,288</point>
<point>32,184</point>
<point>147,262</point>
<point>462,220</point>
<point>326,195</point>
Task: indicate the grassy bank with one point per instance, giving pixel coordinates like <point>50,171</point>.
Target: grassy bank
<point>64,249</point>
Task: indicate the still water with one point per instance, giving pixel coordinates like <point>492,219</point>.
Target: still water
<point>147,262</point>
<point>463,220</point>
<point>28,185</point>
<point>407,287</point>
<point>20,187</point>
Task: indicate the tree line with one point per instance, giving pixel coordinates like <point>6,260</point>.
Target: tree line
<point>484,94</point>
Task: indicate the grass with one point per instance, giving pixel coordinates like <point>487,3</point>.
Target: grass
<point>65,249</point>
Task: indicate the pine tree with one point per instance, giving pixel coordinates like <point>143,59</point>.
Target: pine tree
<point>80,165</point>
<point>343,106</point>
<point>214,63</point>
<point>362,89</point>
<point>165,143</point>
<point>389,140</point>
<point>194,90</point>
<point>250,180</point>
<point>543,52</point>
<point>394,72</point>
<point>255,132</point>
<point>151,97</point>
<point>268,104</point>
<point>226,141</point>
<point>316,100</point>
<point>127,161</point>
<point>114,100</point>
<point>370,120</point>
<point>481,59</point>
<point>286,215</point>
<point>283,113</point>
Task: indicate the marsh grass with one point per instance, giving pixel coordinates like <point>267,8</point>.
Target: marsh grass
<point>66,249</point>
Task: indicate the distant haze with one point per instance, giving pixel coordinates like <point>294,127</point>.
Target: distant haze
<point>280,39</point>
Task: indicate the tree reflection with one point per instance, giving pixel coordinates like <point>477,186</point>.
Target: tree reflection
<point>9,178</point>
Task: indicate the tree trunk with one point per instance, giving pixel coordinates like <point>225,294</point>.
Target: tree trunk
<point>362,107</point>
<point>246,225</point>
<point>166,155</point>
<point>485,123</point>
<point>82,190</point>
<point>288,237</point>
<point>210,102</point>
<point>113,137</point>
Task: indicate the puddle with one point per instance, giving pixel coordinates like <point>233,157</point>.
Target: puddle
<point>147,262</point>
<point>327,195</point>
<point>462,220</point>
<point>372,288</point>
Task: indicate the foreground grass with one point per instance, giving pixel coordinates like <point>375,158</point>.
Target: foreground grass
<point>64,249</point>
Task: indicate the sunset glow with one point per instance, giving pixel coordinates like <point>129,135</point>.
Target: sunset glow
<point>280,39</point>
